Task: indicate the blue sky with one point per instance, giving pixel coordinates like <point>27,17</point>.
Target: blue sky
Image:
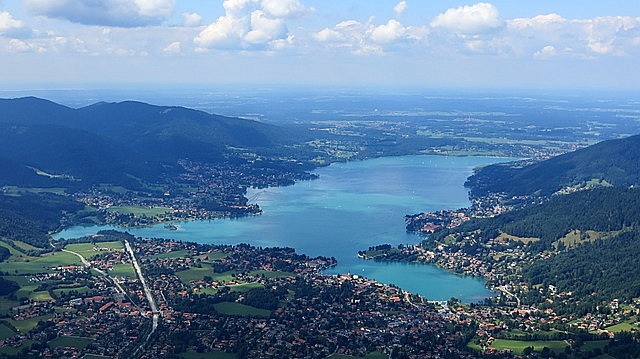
<point>540,44</point>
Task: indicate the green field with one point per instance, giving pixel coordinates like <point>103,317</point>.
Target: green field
<point>73,342</point>
<point>517,346</point>
<point>124,269</point>
<point>15,190</point>
<point>90,250</point>
<point>26,325</point>
<point>140,211</point>
<point>42,264</point>
<point>241,310</point>
<point>13,251</point>
<point>79,289</point>
<point>42,296</point>
<point>5,332</point>
<point>627,326</point>
<point>26,246</point>
<point>6,305</point>
<point>215,256</point>
<point>594,344</point>
<point>12,351</point>
<point>195,274</point>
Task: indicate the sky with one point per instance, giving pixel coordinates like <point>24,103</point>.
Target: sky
<point>541,44</point>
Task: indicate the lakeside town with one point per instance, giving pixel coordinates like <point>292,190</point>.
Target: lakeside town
<point>238,300</point>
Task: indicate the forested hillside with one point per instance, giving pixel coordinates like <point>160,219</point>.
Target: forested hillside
<point>613,161</point>
<point>44,144</point>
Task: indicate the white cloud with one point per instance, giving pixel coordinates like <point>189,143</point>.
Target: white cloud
<point>16,45</point>
<point>611,35</point>
<point>11,27</point>
<point>191,19</point>
<point>400,8</point>
<point>328,35</point>
<point>365,38</point>
<point>265,29</point>
<point>388,33</point>
<point>469,20</point>
<point>173,48</point>
<point>251,24</point>
<point>284,8</point>
<point>123,13</point>
<point>546,52</point>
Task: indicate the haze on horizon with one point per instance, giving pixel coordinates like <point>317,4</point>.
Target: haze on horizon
<point>498,44</point>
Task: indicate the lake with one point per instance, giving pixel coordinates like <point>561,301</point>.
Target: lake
<point>351,206</point>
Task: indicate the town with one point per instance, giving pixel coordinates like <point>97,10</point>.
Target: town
<point>89,300</point>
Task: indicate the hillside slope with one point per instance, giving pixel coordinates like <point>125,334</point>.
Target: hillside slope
<point>613,161</point>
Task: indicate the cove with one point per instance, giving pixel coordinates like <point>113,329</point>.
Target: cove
<point>351,206</point>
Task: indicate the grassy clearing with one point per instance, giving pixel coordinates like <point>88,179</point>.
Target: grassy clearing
<point>15,190</point>
<point>14,351</point>
<point>79,289</point>
<point>125,269</point>
<point>24,326</point>
<point>6,305</point>
<point>517,346</point>
<point>627,326</point>
<point>111,245</point>
<point>5,332</point>
<point>42,296</point>
<point>194,274</point>
<point>577,237</point>
<point>43,264</point>
<point>215,256</point>
<point>594,344</point>
<point>73,342</point>
<point>89,250</point>
<point>140,211</point>
<point>25,246</point>
<point>13,251</point>
<point>245,287</point>
<point>525,240</point>
<point>241,310</point>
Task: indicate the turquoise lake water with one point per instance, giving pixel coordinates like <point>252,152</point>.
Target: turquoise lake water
<point>350,207</point>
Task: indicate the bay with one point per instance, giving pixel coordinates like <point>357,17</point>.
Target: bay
<point>351,206</point>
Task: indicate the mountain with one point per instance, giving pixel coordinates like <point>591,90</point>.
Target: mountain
<point>45,143</point>
<point>613,161</point>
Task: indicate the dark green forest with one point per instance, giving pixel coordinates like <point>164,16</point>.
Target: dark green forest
<point>613,161</point>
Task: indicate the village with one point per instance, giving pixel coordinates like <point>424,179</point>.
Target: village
<point>237,300</point>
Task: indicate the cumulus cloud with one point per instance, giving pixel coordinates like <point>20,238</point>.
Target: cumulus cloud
<point>122,13</point>
<point>191,19</point>
<point>546,52</point>
<point>16,45</point>
<point>469,20</point>
<point>610,35</point>
<point>400,8</point>
<point>173,48</point>
<point>364,38</point>
<point>388,33</point>
<point>284,8</point>
<point>11,27</point>
<point>252,24</point>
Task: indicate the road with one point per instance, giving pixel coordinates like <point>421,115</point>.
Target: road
<point>504,290</point>
<point>147,290</point>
